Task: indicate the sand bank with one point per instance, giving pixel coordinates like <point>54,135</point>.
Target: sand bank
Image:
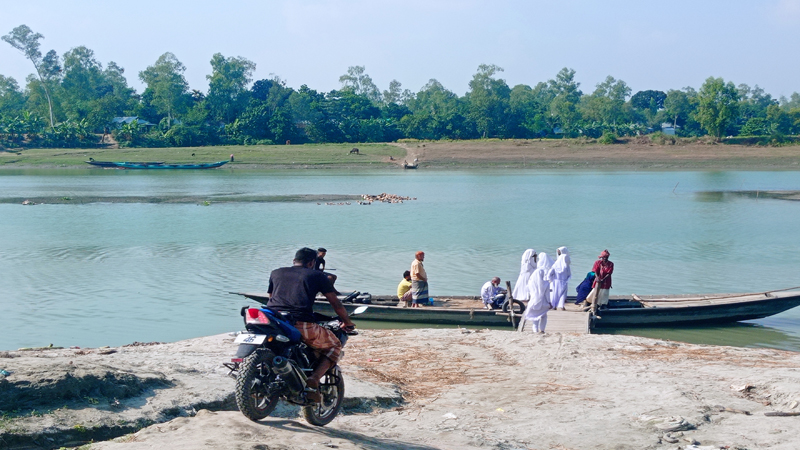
<point>418,389</point>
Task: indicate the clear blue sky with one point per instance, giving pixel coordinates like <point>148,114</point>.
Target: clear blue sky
<point>649,44</point>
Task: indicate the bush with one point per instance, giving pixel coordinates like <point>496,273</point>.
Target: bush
<point>663,139</point>
<point>608,138</point>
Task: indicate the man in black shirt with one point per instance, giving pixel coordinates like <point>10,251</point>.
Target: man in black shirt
<point>293,290</point>
<point>320,265</point>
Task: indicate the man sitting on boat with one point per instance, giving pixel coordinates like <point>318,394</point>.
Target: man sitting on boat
<point>492,294</point>
<point>404,290</point>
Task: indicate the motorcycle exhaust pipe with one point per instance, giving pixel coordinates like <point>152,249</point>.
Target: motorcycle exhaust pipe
<point>283,368</point>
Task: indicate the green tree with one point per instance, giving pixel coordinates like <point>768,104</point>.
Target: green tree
<point>91,93</point>
<point>649,103</point>
<point>606,104</point>
<point>793,102</point>
<point>488,102</point>
<point>678,105</point>
<point>717,106</point>
<point>360,83</point>
<point>395,94</point>
<point>436,113</point>
<point>12,100</point>
<point>227,86</point>
<point>529,112</point>
<point>47,68</point>
<point>167,86</point>
<point>566,96</point>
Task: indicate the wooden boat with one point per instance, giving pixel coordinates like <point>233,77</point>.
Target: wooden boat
<point>464,311</point>
<point>116,164</point>
<point>659,311</point>
<point>634,311</point>
<point>130,165</point>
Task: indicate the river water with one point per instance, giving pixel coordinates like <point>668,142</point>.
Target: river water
<point>113,273</point>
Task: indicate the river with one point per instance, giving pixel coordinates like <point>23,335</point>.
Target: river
<point>112,273</point>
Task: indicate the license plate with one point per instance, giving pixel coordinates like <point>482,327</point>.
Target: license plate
<point>255,339</point>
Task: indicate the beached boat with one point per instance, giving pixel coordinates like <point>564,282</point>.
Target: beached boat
<point>465,311</point>
<point>156,165</point>
<point>633,311</point>
<point>410,166</point>
<point>113,164</point>
<point>658,311</point>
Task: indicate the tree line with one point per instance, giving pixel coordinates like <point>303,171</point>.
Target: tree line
<point>72,98</point>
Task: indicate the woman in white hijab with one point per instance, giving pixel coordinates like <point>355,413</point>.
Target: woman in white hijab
<point>539,290</point>
<point>559,276</point>
<point>528,265</point>
<point>547,264</point>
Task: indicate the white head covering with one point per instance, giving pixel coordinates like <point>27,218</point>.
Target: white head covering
<point>527,266</point>
<point>562,263</point>
<point>539,289</point>
<point>545,263</point>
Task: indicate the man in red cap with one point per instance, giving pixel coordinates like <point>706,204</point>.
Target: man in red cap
<point>603,268</point>
<point>419,281</point>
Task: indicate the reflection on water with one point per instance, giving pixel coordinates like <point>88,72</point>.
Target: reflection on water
<point>116,273</point>
<point>738,335</point>
<point>713,196</point>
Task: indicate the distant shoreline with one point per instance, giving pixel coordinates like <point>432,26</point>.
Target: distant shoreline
<point>438,155</point>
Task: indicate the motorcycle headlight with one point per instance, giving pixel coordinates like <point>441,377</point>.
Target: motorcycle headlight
<point>281,338</point>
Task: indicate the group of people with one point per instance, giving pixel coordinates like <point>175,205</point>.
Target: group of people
<point>543,284</point>
<point>413,288</point>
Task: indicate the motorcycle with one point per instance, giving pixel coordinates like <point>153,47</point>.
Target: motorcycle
<point>272,363</point>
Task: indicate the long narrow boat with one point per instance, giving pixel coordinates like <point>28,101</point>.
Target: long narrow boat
<point>129,165</point>
<point>633,311</point>
<point>384,309</point>
<point>653,311</point>
<point>116,164</point>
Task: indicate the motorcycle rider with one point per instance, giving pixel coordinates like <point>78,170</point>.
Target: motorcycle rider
<point>293,290</point>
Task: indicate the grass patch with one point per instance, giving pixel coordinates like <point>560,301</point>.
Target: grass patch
<point>316,155</point>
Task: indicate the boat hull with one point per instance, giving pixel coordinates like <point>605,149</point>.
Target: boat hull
<point>699,314</point>
<point>155,165</point>
<point>424,315</point>
<point>172,166</point>
<point>382,310</point>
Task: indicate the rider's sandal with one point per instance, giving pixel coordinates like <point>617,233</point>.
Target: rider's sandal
<point>312,392</point>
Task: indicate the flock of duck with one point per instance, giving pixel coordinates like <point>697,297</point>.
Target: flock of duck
<point>383,197</point>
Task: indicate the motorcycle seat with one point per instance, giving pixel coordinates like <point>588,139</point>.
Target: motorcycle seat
<point>284,323</point>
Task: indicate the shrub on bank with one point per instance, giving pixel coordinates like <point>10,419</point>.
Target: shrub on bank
<point>608,138</point>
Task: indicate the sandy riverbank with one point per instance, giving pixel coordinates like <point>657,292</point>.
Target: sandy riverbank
<point>418,389</point>
<point>633,154</point>
<point>551,154</point>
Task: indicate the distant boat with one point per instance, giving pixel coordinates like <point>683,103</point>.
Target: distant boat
<point>115,164</point>
<point>155,165</point>
<point>410,166</point>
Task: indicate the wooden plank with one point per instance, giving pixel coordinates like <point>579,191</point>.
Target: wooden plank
<point>570,321</point>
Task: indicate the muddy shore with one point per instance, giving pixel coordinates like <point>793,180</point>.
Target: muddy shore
<point>417,389</point>
<point>638,153</point>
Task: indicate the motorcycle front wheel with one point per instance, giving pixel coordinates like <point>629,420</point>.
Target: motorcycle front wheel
<point>254,376</point>
<point>331,387</point>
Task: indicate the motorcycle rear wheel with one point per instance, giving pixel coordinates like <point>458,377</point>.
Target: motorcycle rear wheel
<point>331,387</point>
<point>251,383</point>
